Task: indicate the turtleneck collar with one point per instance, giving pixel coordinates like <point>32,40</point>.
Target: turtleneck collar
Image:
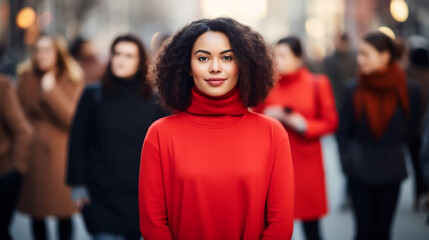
<point>228,104</point>
<point>131,82</point>
<point>287,78</point>
<point>215,112</point>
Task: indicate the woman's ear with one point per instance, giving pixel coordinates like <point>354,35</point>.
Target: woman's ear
<point>299,62</point>
<point>385,57</point>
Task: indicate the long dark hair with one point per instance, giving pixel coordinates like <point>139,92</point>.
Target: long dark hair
<point>144,89</point>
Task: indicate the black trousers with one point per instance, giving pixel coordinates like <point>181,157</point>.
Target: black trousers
<point>374,208</point>
<point>39,228</point>
<point>10,185</point>
<point>311,230</point>
<point>420,186</point>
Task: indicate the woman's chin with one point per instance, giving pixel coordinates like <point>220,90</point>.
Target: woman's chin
<point>215,91</point>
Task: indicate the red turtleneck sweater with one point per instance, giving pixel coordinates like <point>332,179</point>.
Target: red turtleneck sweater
<point>216,171</point>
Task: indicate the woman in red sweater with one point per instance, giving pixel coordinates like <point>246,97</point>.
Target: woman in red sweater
<point>215,170</point>
<point>305,104</point>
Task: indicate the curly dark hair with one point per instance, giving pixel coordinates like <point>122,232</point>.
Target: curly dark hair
<point>170,70</point>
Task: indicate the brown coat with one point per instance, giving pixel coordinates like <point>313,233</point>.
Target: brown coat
<point>15,130</point>
<point>44,191</point>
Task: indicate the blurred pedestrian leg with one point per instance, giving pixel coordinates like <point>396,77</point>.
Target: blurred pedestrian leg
<point>375,206</point>
<point>109,236</point>
<point>10,184</point>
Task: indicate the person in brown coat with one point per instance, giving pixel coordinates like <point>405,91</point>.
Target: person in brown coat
<point>49,86</point>
<point>15,137</point>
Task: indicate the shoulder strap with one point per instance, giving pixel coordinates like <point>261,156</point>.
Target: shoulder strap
<point>316,79</point>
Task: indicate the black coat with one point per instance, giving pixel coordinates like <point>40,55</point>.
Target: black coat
<point>104,154</point>
<point>377,161</point>
<point>424,151</point>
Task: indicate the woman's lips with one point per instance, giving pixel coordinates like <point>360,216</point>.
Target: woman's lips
<point>215,81</point>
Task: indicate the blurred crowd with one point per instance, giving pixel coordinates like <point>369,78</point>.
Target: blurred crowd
<point>72,127</point>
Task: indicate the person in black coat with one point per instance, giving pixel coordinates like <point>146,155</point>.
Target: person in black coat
<point>105,144</point>
<point>379,119</point>
<point>418,70</point>
<point>424,152</point>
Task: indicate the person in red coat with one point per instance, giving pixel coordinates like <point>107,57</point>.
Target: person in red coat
<point>215,170</point>
<point>305,104</point>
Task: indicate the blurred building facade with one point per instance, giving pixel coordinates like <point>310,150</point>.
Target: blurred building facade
<point>317,22</point>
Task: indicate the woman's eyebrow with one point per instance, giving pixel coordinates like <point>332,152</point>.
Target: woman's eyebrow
<point>203,51</point>
<point>226,51</point>
<point>207,52</point>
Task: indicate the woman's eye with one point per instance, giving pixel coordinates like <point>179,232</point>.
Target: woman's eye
<point>203,59</point>
<point>227,58</point>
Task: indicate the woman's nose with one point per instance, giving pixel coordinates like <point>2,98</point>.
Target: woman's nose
<point>215,66</point>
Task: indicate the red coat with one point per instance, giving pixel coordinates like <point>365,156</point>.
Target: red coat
<point>312,97</point>
<point>214,172</point>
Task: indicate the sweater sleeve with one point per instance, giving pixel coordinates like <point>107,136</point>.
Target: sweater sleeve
<point>20,127</point>
<point>80,136</point>
<point>281,193</point>
<point>346,134</point>
<point>62,104</point>
<point>327,121</point>
<point>152,204</point>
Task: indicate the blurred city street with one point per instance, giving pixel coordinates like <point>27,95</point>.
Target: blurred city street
<point>337,225</point>
<point>52,53</point>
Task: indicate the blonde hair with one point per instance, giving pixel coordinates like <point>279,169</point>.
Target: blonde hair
<point>65,62</point>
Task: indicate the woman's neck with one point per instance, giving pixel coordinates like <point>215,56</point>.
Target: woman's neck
<point>53,70</point>
<point>126,79</point>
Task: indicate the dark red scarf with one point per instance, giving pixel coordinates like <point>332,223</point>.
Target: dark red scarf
<point>378,95</point>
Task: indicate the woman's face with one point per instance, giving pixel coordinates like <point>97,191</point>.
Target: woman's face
<point>125,59</point>
<point>45,54</point>
<point>370,60</point>
<point>286,60</point>
<point>86,50</point>
<point>213,65</point>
